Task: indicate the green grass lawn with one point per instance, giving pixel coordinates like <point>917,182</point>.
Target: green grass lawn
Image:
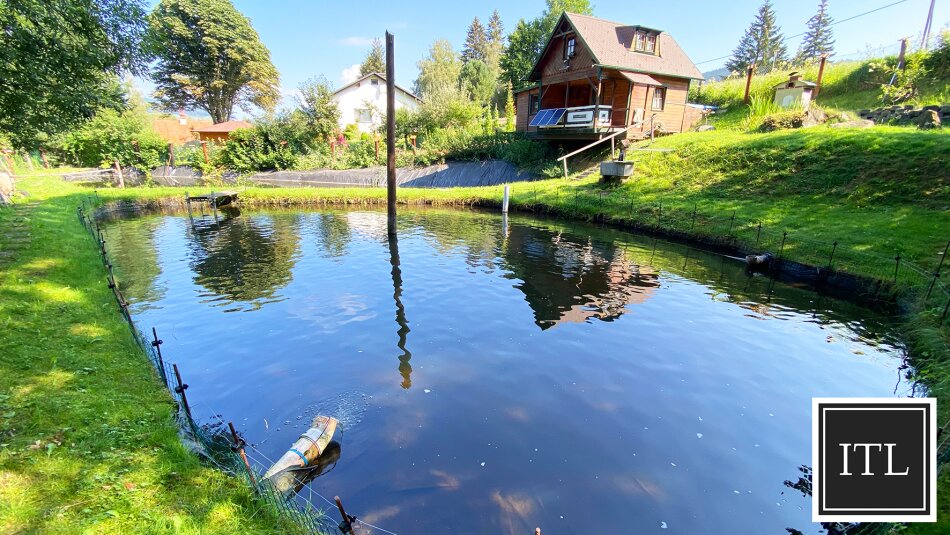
<point>88,440</point>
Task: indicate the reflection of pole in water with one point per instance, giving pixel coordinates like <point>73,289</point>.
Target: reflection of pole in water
<point>686,260</point>
<point>653,252</point>
<point>404,368</point>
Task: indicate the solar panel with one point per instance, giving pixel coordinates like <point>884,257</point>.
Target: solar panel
<point>540,117</point>
<point>558,113</point>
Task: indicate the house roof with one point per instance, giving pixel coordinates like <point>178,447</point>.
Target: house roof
<point>610,44</point>
<point>226,126</point>
<point>381,77</point>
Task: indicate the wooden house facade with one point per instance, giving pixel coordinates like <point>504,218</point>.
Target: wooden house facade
<point>597,77</point>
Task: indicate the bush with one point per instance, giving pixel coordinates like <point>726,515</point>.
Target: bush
<point>785,119</point>
<point>111,136</point>
<point>270,145</point>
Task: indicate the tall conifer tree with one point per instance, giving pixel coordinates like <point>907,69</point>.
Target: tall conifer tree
<point>762,43</point>
<point>818,39</point>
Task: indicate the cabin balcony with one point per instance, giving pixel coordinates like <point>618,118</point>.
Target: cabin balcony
<point>578,122</point>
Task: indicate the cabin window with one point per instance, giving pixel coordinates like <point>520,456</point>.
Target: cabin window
<point>534,104</point>
<point>364,116</point>
<point>645,42</point>
<point>569,46</point>
<point>659,98</point>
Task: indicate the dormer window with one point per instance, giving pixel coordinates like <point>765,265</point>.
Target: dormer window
<point>644,41</point>
<point>570,44</point>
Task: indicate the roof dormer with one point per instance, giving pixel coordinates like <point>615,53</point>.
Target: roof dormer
<point>645,41</point>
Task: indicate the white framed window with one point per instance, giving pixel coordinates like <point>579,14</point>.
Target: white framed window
<point>645,42</point>
<point>659,98</point>
<point>374,81</point>
<point>364,116</point>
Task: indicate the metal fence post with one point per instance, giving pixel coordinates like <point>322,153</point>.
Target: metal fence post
<point>831,259</point>
<point>781,250</point>
<point>157,344</point>
<point>346,525</point>
<point>180,389</point>
<point>692,220</point>
<point>937,271</point>
<point>659,215</point>
<point>897,265</point>
<point>732,222</point>
<point>239,444</point>
<point>758,234</point>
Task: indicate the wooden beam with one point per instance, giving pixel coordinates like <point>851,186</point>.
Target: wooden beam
<point>390,136</point>
<point>629,102</point>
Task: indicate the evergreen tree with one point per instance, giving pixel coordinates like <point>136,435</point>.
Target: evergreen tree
<point>476,43</point>
<point>762,44</point>
<point>526,43</point>
<point>374,61</point>
<point>496,30</point>
<point>818,39</point>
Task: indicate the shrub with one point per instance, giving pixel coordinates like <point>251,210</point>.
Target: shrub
<point>784,119</point>
<point>111,136</point>
<point>270,145</point>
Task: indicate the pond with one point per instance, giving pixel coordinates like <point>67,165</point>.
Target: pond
<point>495,374</point>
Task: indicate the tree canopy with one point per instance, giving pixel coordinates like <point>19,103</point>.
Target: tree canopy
<point>762,44</point>
<point>210,57</point>
<point>59,61</point>
<point>318,107</point>
<point>476,43</point>
<point>819,39</point>
<point>374,61</point>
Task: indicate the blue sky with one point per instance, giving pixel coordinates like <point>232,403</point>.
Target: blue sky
<point>308,37</point>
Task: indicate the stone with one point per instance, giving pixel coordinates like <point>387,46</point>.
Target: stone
<point>857,123</point>
<point>932,107</point>
<point>864,113</point>
<point>814,116</point>
<point>6,189</point>
<point>945,110</point>
<point>928,120</point>
<point>705,128</point>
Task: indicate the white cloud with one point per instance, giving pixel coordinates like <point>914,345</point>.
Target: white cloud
<point>350,74</point>
<point>356,40</point>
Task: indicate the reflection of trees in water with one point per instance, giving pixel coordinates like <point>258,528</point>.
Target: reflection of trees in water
<point>131,245</point>
<point>567,278</point>
<point>245,259</point>
<point>405,369</point>
<point>333,228</point>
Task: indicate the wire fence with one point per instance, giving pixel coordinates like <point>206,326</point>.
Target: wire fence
<point>218,443</point>
<point>864,274</point>
<point>877,276</point>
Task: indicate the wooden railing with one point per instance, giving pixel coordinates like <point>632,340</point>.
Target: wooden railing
<point>613,146</point>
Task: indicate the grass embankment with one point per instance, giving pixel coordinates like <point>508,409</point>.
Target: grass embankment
<point>88,443</point>
<point>846,86</point>
<point>877,192</point>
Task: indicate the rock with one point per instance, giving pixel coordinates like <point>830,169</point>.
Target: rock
<point>857,123</point>
<point>814,116</point>
<point>864,113</point>
<point>932,107</point>
<point>705,128</point>
<point>928,120</point>
<point>913,114</point>
<point>6,189</point>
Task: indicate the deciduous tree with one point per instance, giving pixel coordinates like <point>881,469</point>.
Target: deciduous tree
<point>318,107</point>
<point>210,57</point>
<point>60,61</point>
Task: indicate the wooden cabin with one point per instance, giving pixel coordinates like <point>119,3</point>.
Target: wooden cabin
<point>597,77</point>
<point>220,132</point>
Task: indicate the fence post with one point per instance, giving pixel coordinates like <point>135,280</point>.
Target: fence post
<point>239,444</point>
<point>732,222</point>
<point>346,526</point>
<point>945,308</point>
<point>831,259</point>
<point>157,344</point>
<point>692,220</point>
<point>758,234</point>
<point>897,265</point>
<point>659,215</point>
<point>937,272</point>
<point>180,389</point>
<point>781,250</point>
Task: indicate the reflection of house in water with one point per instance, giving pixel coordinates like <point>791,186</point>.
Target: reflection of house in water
<point>568,279</point>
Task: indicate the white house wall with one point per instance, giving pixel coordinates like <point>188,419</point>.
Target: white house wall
<point>355,98</point>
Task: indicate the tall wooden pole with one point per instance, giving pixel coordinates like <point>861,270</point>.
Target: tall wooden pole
<point>748,82</point>
<point>390,137</point>
<point>821,73</point>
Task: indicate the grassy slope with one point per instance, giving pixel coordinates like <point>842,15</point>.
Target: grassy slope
<point>876,191</point>
<point>87,440</point>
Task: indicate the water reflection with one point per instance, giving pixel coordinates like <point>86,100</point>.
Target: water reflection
<point>570,279</point>
<point>242,259</point>
<point>405,369</point>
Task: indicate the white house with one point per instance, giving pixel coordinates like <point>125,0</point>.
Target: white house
<point>363,101</point>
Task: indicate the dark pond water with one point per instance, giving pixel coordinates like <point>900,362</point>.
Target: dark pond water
<point>495,376</point>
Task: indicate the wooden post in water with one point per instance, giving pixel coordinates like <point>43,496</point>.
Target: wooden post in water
<point>748,82</point>
<point>390,136</point>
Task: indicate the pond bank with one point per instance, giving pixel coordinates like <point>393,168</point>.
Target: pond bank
<point>50,269</point>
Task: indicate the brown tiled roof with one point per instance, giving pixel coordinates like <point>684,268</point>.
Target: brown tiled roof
<point>226,126</point>
<point>610,44</point>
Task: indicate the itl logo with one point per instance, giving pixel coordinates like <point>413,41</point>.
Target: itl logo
<point>874,460</point>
